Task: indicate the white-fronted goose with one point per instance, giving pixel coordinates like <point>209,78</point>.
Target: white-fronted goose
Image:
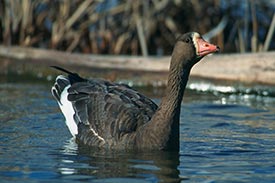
<point>114,116</point>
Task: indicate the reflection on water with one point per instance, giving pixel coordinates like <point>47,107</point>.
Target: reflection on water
<point>226,135</point>
<point>102,164</point>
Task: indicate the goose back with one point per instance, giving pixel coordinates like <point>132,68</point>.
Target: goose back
<point>108,114</point>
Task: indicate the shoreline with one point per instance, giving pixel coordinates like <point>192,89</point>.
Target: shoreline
<point>248,68</point>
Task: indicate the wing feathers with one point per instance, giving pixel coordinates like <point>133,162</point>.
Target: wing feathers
<point>107,111</point>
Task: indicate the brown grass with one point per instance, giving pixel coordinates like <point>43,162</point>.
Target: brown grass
<point>129,27</point>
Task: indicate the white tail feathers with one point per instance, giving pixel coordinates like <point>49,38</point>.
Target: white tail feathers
<point>68,111</point>
<point>60,92</point>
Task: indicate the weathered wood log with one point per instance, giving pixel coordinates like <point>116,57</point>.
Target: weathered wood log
<point>253,68</point>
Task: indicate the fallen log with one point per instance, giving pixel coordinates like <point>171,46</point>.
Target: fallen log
<point>252,68</point>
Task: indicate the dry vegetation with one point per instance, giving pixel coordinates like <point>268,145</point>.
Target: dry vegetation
<point>134,26</point>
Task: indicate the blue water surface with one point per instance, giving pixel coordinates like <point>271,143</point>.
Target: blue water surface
<point>226,136</point>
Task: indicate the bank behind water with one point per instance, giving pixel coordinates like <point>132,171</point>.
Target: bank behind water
<point>249,68</point>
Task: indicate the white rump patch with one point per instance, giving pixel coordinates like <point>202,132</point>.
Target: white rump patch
<point>68,111</point>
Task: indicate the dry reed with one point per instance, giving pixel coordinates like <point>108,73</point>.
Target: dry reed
<point>130,27</point>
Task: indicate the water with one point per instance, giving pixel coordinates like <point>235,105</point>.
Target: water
<point>226,136</point>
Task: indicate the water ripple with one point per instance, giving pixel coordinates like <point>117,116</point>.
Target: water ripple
<point>225,137</point>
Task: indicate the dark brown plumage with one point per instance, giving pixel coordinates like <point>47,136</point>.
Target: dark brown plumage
<point>114,116</point>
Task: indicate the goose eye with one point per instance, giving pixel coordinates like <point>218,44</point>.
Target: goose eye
<point>187,40</point>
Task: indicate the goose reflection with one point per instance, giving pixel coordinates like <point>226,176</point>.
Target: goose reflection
<point>69,150</point>
<point>79,161</point>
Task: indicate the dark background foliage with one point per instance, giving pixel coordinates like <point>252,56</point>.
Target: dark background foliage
<point>147,27</point>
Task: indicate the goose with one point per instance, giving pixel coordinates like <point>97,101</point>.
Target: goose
<point>109,115</point>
